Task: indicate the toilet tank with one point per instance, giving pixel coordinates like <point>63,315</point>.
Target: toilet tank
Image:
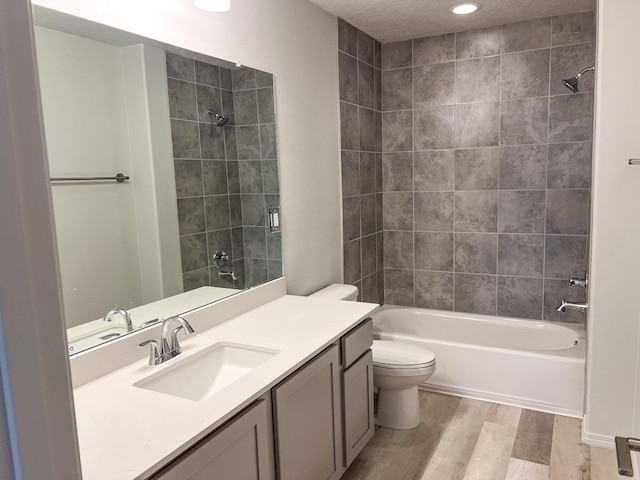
<point>338,291</point>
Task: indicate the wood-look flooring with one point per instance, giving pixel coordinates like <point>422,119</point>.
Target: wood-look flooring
<point>464,439</point>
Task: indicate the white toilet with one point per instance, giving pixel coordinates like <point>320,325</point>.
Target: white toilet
<point>398,369</point>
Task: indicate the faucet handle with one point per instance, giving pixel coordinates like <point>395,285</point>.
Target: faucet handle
<point>154,354</point>
<point>578,282</point>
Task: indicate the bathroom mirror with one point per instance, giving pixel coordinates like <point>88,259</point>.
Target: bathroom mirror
<point>195,137</point>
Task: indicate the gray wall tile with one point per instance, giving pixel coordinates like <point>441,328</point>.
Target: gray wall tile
<point>250,172</point>
<point>268,142</point>
<point>567,62</point>
<point>573,28</point>
<point>399,289</point>
<point>434,290</point>
<point>519,297</point>
<point>193,250</point>
<point>367,172</point>
<point>569,165</point>
<point>180,67</point>
<point>365,48</point>
<point>188,175</point>
<point>398,249</point>
<point>521,255</point>
<point>365,85</point>
<point>397,172</point>
<point>248,140</point>
<point>369,264</point>
<point>523,166</point>
<point>477,125</point>
<point>368,223</point>
<point>191,215</point>
<point>185,139</point>
<point>568,212</point>
<point>433,211</point>
<point>478,80</point>
<point>438,49</point>
<point>434,251</point>
<point>570,118</point>
<point>397,131</point>
<point>243,78</point>
<point>212,141</point>
<point>397,211</point>
<point>475,293</point>
<point>208,98</point>
<point>522,211</point>
<point>207,74</point>
<point>352,263</point>
<point>434,170</point>
<point>477,168</point>
<point>350,218</point>
<point>347,38</point>
<point>476,211</point>
<point>565,256</point>
<point>397,55</point>
<point>525,74</point>
<point>528,35</point>
<point>433,84</point>
<point>182,100</point>
<point>366,130</point>
<point>349,139</point>
<point>214,176</point>
<point>253,209</point>
<point>266,106</point>
<point>433,128</point>
<point>350,162</point>
<point>554,292</point>
<point>524,121</point>
<point>478,43</point>
<point>476,252</point>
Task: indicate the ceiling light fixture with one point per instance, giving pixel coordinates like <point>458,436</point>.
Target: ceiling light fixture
<point>213,5</point>
<point>465,8</point>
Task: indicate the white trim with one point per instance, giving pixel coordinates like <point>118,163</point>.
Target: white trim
<point>36,382</point>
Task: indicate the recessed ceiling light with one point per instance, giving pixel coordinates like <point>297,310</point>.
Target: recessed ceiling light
<point>465,8</point>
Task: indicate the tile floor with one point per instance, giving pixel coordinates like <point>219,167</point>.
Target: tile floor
<point>464,439</point>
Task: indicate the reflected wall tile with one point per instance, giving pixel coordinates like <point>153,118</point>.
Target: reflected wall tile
<point>573,28</point>
<point>522,211</point>
<point>182,99</point>
<point>243,78</point>
<point>525,74</point>
<point>398,249</point>
<point>478,43</point>
<point>397,211</point>
<point>365,85</point>
<point>433,85</point>
<point>219,240</point>
<point>225,79</point>
<point>274,245</point>
<point>436,49</point>
<point>193,249</point>
<point>567,62</point>
<point>569,165</point>
<point>379,212</point>
<point>274,269</point>
<point>370,289</point>
<point>523,166</point>
<point>377,89</point>
<point>270,176</point>
<point>377,54</point>
<point>478,80</point>
<point>434,170</point>
<point>398,287</point>
<point>568,212</point>
<point>368,254</point>
<point>434,251</point>
<point>366,129</point>
<point>477,125</point>
<point>554,292</point>
<point>191,215</point>
<point>476,211</point>
<point>237,243</point>
<point>397,172</point>
<point>348,77</point>
<point>434,290</point>
<point>476,252</point>
<point>477,168</point>
<point>255,242</point>
<point>367,173</point>
<point>350,218</point>
<point>528,35</point>
<point>253,209</point>
<point>368,214</point>
<point>434,211</point>
<point>347,38</point>
<point>230,143</point>
<point>212,141</point>
<point>207,74</point>
<point>520,297</point>
<point>570,118</point>
<point>352,261</point>
<point>349,126</point>
<point>378,170</point>
<point>208,98</point>
<point>475,293</point>
<point>195,279</point>
<point>266,106</point>
<point>397,131</point>
<point>365,47</point>
<point>251,176</point>
<point>248,139</point>
<point>233,176</point>
<point>268,144</point>
<point>565,256</point>
<point>185,139</point>
<point>180,67</point>
<point>377,128</point>
<point>235,210</point>
<point>188,175</point>
<point>256,271</point>
<point>397,89</point>
<point>227,107</point>
<point>214,175</point>
<point>524,121</point>
<point>397,54</point>
<point>521,255</point>
<point>433,128</point>
<point>217,212</point>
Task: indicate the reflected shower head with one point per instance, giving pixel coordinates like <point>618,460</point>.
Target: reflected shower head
<point>572,83</point>
<point>220,120</point>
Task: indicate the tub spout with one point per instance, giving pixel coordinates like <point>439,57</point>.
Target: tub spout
<point>581,307</point>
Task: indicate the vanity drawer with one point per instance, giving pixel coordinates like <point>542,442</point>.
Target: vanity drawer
<point>356,342</point>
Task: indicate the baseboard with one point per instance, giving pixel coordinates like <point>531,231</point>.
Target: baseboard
<point>506,400</point>
<point>598,440</point>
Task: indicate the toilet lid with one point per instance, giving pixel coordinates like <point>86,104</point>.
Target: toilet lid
<point>390,354</point>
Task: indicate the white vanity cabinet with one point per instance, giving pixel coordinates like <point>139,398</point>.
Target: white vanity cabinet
<point>241,449</point>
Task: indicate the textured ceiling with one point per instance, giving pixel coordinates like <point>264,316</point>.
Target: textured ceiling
<point>391,21</point>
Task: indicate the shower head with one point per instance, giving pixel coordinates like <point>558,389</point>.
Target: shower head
<point>220,120</point>
<point>572,83</point>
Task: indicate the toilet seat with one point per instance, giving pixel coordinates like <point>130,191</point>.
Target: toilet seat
<point>401,356</point>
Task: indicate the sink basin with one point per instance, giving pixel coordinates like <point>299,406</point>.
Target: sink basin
<point>207,372</point>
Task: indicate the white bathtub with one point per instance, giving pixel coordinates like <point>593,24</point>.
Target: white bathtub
<point>530,364</point>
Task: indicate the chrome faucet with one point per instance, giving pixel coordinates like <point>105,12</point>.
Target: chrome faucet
<point>127,318</point>
<point>581,307</point>
<point>169,344</point>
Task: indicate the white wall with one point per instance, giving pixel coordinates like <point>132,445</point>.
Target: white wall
<point>297,42</point>
<point>613,365</point>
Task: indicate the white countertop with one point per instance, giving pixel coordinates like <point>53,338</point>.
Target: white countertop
<point>127,433</point>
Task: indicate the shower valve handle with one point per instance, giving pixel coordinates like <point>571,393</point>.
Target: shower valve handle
<point>578,282</point>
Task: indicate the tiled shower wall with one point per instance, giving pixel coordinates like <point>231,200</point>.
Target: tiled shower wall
<point>226,177</point>
<point>359,58</point>
<point>486,168</point>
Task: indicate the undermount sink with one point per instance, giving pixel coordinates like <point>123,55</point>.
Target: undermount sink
<point>207,372</point>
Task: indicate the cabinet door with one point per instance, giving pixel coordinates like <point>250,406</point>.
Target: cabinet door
<point>240,450</point>
<point>307,421</point>
<point>357,391</point>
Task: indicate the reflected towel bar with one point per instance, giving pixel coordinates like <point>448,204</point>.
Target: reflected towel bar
<point>118,178</point>
<point>634,161</point>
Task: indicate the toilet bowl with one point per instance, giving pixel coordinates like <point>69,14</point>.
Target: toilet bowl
<point>398,369</point>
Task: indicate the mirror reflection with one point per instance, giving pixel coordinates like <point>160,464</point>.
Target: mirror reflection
<point>197,138</point>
